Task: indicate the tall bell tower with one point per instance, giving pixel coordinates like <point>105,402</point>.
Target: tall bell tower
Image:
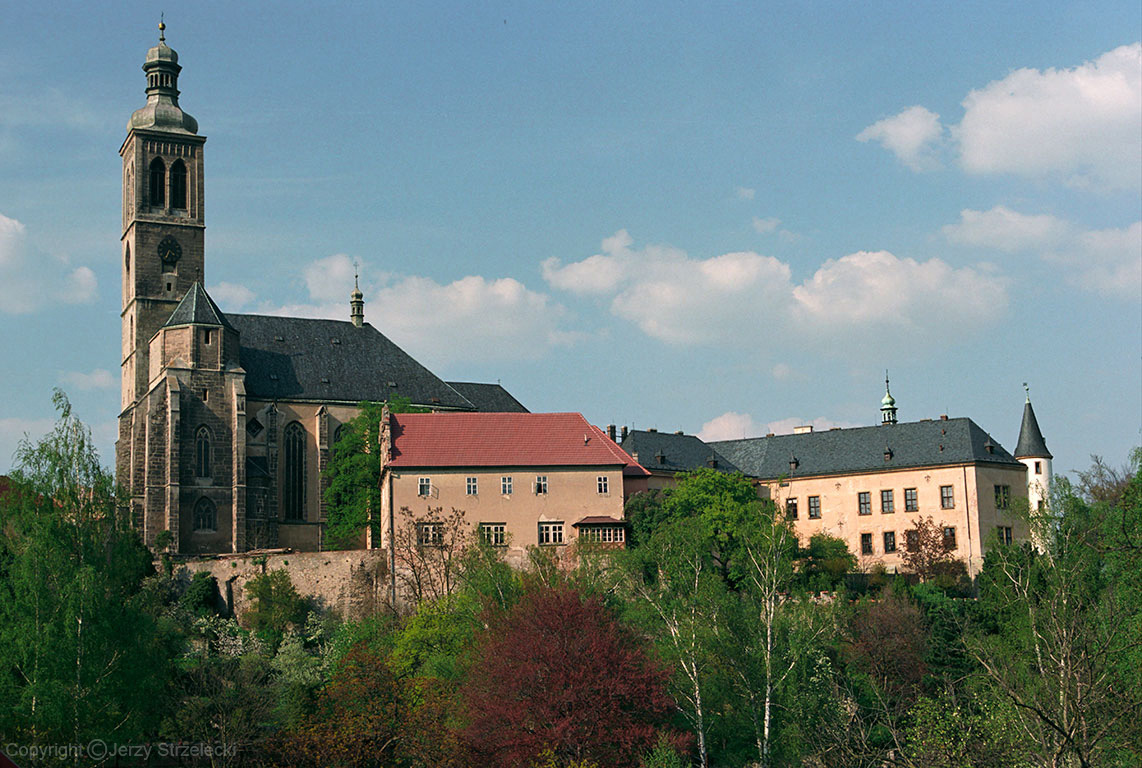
<point>162,242</point>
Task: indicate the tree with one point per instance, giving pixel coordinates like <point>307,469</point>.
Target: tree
<point>428,552</point>
<point>275,606</point>
<point>825,562</point>
<point>559,672</point>
<point>1061,638</point>
<point>927,554</point>
<point>353,475</point>
<point>80,656</point>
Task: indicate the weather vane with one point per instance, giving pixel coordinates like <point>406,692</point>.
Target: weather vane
<point>162,28</point>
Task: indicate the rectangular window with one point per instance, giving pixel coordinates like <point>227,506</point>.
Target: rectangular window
<point>887,503</point>
<point>506,485</point>
<point>603,484</point>
<point>911,503</point>
<point>1004,533</point>
<point>207,334</point>
<point>541,484</point>
<point>604,534</point>
<point>889,541</point>
<point>424,486</point>
<point>494,534</point>
<point>866,543</point>
<point>814,507</point>
<point>430,534</point>
<point>912,540</point>
<point>864,503</point>
<point>472,486</point>
<point>791,509</point>
<point>1038,467</point>
<point>947,497</point>
<point>949,537</point>
<point>1002,496</point>
<point>550,533</point>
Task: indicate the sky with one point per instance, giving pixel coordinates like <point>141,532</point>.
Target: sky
<point>723,218</point>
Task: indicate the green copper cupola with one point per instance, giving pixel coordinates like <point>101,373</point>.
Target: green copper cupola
<point>887,404</point>
<point>162,112</point>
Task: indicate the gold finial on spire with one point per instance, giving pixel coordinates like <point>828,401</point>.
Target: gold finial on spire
<point>162,29</point>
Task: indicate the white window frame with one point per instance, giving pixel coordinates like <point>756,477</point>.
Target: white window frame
<point>430,534</point>
<point>472,485</point>
<point>506,485</point>
<point>814,507</point>
<point>551,533</point>
<point>494,534</point>
<point>603,484</point>
<point>541,485</point>
<point>424,486</point>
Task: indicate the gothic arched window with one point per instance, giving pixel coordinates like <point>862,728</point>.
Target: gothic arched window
<point>205,515</point>
<point>293,472</point>
<point>127,261</point>
<point>158,182</point>
<point>202,452</point>
<point>178,185</point>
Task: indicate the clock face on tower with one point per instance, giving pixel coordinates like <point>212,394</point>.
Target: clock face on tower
<point>169,250</point>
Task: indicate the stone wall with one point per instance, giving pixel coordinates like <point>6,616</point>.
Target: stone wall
<point>352,583</point>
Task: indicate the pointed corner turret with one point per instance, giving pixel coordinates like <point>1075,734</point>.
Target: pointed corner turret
<point>1031,444</point>
<point>197,308</point>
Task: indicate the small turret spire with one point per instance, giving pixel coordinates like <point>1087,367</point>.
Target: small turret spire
<point>162,29</point>
<point>356,301</point>
<point>887,404</point>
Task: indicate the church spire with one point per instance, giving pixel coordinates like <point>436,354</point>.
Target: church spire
<point>356,304</point>
<point>887,404</point>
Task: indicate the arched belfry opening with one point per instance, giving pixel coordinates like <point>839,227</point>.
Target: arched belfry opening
<point>157,196</point>
<point>178,185</point>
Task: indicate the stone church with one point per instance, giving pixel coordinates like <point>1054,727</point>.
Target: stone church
<point>227,420</point>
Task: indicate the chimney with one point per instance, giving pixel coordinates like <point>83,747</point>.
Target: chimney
<point>803,430</point>
<point>611,432</point>
<point>943,417</point>
<point>652,429</point>
<point>623,434</point>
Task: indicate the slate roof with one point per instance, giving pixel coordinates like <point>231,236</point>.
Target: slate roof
<point>926,443</point>
<point>503,440</point>
<point>1031,442</point>
<point>667,452</point>
<point>490,398</point>
<point>295,358</point>
<point>197,307</point>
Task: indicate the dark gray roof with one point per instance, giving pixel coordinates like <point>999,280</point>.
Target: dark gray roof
<point>926,443</point>
<point>667,452</point>
<point>295,358</point>
<point>1031,443</point>
<point>490,398</point>
<point>197,307</point>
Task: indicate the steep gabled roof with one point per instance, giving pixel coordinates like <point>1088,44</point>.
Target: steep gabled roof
<point>1031,443</point>
<point>666,452</point>
<point>503,440</point>
<point>197,308</point>
<point>928,443</point>
<point>490,398</point>
<point>296,358</point>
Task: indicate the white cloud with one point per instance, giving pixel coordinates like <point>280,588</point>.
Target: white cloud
<point>1006,230</point>
<point>730,426</point>
<point>1084,122</point>
<point>745,193</point>
<point>911,135</point>
<point>100,378</point>
<point>470,319</point>
<point>1108,261</point>
<point>736,426</point>
<point>30,281</point>
<point>748,300</point>
<point>782,371</point>
<point>231,297</point>
<point>875,290</point>
<point>765,226</point>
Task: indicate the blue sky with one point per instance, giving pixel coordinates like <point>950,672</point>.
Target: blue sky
<point>725,218</point>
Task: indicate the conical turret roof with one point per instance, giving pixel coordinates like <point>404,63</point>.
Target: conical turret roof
<point>1031,442</point>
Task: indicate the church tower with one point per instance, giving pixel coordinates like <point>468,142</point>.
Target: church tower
<point>162,257</point>
<point>1032,452</point>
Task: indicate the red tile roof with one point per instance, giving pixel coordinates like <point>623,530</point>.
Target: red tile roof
<point>503,440</point>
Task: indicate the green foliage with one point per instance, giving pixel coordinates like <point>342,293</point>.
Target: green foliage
<point>664,755</point>
<point>433,641</point>
<point>645,513</point>
<point>824,562</point>
<point>275,606</point>
<point>80,655</point>
<point>201,595</point>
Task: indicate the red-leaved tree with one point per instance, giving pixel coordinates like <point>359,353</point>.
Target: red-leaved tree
<point>559,672</point>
